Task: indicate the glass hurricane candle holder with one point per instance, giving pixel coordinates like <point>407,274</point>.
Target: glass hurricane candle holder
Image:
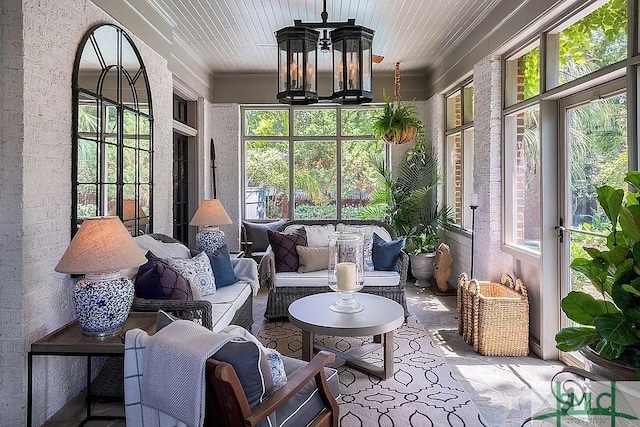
<point>346,270</point>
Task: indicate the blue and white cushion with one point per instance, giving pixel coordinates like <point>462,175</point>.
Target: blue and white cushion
<point>197,271</point>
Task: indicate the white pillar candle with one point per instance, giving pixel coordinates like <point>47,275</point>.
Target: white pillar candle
<point>346,276</point>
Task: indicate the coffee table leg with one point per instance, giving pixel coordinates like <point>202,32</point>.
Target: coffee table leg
<point>307,345</point>
<point>387,346</point>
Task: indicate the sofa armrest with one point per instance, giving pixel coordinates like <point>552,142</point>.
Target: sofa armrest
<point>267,269</point>
<point>403,267</point>
<point>184,309</point>
<point>246,269</point>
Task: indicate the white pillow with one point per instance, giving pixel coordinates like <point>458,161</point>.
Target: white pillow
<point>197,271</point>
<point>368,241</point>
<point>317,235</point>
<point>161,249</point>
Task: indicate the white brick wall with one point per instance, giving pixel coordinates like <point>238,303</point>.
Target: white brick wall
<point>490,262</point>
<point>39,42</point>
<point>225,130</point>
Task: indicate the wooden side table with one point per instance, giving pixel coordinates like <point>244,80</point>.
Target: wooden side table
<point>68,340</point>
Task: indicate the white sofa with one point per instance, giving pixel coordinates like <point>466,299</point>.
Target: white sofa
<point>231,304</point>
<point>286,287</point>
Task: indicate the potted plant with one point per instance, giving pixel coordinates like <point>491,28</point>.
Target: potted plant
<point>406,201</point>
<point>610,326</point>
<point>422,252</point>
<point>398,122</point>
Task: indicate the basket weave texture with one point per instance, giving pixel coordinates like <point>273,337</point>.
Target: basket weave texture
<point>494,317</point>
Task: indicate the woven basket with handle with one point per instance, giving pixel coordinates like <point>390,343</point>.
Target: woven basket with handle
<point>499,314</point>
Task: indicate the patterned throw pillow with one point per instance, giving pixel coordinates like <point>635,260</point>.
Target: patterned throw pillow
<point>368,242</point>
<point>284,248</point>
<point>156,280</point>
<point>276,366</point>
<point>197,271</point>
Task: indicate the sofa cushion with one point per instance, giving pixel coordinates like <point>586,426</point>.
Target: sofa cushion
<point>235,294</point>
<point>197,271</point>
<point>252,369</point>
<point>385,254</point>
<point>257,233</point>
<point>284,248</point>
<point>320,278</point>
<point>221,315</point>
<point>317,235</point>
<point>222,267</point>
<point>306,404</point>
<point>161,249</point>
<point>156,280</point>
<point>312,259</point>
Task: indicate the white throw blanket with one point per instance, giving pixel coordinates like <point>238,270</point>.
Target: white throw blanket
<point>165,373</point>
<point>246,270</point>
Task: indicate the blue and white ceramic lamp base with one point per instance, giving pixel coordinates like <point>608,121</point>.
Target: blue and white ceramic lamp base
<point>102,303</point>
<point>210,239</point>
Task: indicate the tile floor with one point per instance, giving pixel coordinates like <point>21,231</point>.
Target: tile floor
<point>501,387</point>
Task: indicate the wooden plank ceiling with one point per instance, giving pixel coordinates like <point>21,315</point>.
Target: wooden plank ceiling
<point>231,36</point>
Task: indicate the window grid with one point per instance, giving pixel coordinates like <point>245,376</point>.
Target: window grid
<point>286,203</point>
<point>459,152</point>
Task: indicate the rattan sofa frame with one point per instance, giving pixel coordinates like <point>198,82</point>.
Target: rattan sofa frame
<point>279,298</point>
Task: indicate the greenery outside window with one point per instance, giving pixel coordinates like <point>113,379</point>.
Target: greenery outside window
<point>113,131</point>
<point>308,162</point>
<point>587,44</point>
<point>459,154</point>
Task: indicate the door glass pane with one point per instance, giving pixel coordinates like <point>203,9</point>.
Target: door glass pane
<point>454,111</point>
<point>359,177</point>
<point>598,155</point>
<point>266,179</point>
<point>596,137</point>
<point>315,179</point>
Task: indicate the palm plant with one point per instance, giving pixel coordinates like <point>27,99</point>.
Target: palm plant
<point>406,199</point>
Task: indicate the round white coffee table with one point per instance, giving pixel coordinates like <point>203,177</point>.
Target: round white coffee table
<point>379,318</point>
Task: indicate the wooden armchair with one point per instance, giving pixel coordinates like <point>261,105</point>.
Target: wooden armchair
<point>227,405</point>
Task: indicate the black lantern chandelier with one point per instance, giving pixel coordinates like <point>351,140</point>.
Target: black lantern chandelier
<point>298,60</point>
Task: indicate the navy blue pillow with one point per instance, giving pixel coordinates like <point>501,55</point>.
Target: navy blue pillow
<point>385,254</point>
<point>156,280</point>
<point>222,267</point>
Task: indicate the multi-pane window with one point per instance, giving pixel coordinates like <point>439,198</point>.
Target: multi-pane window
<point>113,131</point>
<point>522,177</point>
<point>459,148</point>
<point>584,43</point>
<point>309,162</point>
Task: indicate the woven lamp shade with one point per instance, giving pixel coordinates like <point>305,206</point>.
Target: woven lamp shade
<point>210,213</point>
<point>101,244</point>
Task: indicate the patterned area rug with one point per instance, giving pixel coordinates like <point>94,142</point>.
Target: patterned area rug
<point>422,392</point>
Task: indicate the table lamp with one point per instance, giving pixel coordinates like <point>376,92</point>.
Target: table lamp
<point>209,216</point>
<point>99,250</point>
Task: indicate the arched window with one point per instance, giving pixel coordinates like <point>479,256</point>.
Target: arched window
<point>112,131</point>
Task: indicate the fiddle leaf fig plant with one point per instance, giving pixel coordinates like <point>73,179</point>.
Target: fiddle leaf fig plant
<point>610,325</point>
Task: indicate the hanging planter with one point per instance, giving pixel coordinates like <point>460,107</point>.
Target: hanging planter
<point>398,122</point>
